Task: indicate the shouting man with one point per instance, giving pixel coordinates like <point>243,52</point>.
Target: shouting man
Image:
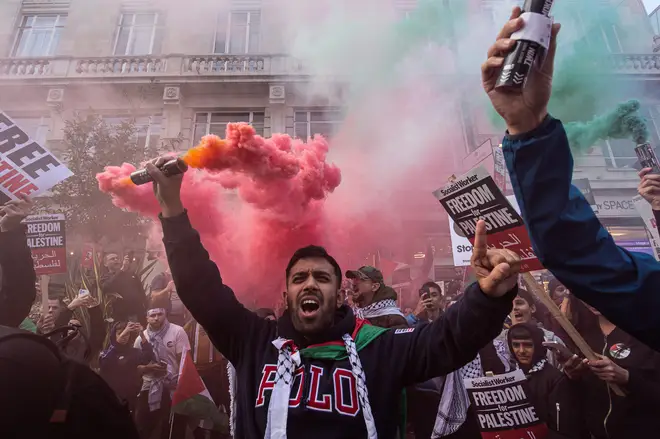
<point>318,370</point>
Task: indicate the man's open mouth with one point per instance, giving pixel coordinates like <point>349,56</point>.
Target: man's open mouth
<point>309,306</point>
<point>517,316</point>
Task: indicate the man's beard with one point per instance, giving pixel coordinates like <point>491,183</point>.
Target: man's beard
<point>322,321</point>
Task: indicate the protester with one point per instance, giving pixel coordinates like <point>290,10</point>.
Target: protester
<point>16,265</point>
<point>625,361</point>
<point>159,377</point>
<point>429,307</point>
<point>131,305</point>
<point>162,285</point>
<point>558,292</point>
<point>86,345</point>
<point>550,391</point>
<point>523,311</point>
<point>567,237</point>
<point>374,300</point>
<point>119,362</point>
<point>325,346</point>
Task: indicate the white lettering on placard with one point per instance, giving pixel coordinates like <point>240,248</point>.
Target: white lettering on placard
<point>26,168</point>
<point>471,200</point>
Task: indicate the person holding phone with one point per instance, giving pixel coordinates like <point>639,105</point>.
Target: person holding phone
<point>429,307</point>
<point>120,361</point>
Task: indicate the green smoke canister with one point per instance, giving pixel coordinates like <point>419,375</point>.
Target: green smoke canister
<point>525,53</point>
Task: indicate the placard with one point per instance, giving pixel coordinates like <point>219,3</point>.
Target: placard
<point>461,247</point>
<point>26,168</point>
<point>47,241</point>
<point>502,407</point>
<point>499,170</point>
<point>475,196</point>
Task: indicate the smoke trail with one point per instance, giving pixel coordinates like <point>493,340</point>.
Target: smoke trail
<point>282,182</point>
<point>622,123</point>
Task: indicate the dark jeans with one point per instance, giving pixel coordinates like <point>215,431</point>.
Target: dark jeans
<point>156,424</point>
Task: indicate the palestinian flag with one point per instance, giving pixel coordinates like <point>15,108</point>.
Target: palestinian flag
<point>192,398</point>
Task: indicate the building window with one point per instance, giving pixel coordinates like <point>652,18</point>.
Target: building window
<point>238,34</point>
<point>139,34</point>
<point>147,129</point>
<point>610,33</point>
<point>35,127</point>
<point>216,123</point>
<point>39,35</point>
<point>308,123</point>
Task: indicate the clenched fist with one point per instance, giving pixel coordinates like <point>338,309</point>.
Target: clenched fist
<point>496,269</point>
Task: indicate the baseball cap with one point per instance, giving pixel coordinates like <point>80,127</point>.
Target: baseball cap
<point>366,272</point>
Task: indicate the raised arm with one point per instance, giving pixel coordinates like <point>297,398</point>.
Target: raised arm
<point>213,304</point>
<point>18,277</point>
<point>454,339</point>
<point>475,320</point>
<point>571,242</point>
<point>566,235</point>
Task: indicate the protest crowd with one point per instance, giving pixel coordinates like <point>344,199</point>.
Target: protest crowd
<point>502,357</point>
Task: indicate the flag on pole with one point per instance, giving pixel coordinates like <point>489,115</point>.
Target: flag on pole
<point>192,398</point>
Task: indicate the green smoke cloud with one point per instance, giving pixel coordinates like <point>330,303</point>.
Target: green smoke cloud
<point>622,123</point>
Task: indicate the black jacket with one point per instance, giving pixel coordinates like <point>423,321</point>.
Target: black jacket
<point>397,358</point>
<point>118,364</point>
<point>133,300</point>
<point>556,402</point>
<point>636,414</point>
<point>18,278</point>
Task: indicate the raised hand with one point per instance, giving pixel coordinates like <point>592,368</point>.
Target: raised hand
<point>166,189</point>
<point>649,187</point>
<point>496,269</point>
<point>522,109</point>
<point>13,212</point>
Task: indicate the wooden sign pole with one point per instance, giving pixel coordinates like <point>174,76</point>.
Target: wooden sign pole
<point>565,324</point>
<point>44,280</point>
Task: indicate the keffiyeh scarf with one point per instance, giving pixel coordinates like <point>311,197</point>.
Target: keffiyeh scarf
<point>381,308</point>
<point>290,358</point>
<point>158,384</point>
<point>454,402</point>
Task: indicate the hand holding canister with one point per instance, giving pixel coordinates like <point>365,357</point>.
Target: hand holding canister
<point>532,43</point>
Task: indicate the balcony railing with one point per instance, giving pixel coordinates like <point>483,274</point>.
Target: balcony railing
<point>121,65</point>
<point>188,66</point>
<point>636,64</point>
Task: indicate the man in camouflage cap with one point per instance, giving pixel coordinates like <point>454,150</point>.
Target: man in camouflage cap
<point>373,300</point>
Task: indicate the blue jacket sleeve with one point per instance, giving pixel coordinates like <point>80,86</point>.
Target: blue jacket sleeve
<point>571,242</point>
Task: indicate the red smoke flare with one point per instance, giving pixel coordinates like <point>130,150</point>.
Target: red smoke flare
<point>283,183</point>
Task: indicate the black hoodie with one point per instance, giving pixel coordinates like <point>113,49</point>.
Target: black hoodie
<point>635,415</point>
<point>553,395</point>
<point>324,402</point>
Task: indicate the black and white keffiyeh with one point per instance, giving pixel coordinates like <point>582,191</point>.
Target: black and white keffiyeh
<point>381,308</point>
<point>288,360</point>
<point>454,402</point>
